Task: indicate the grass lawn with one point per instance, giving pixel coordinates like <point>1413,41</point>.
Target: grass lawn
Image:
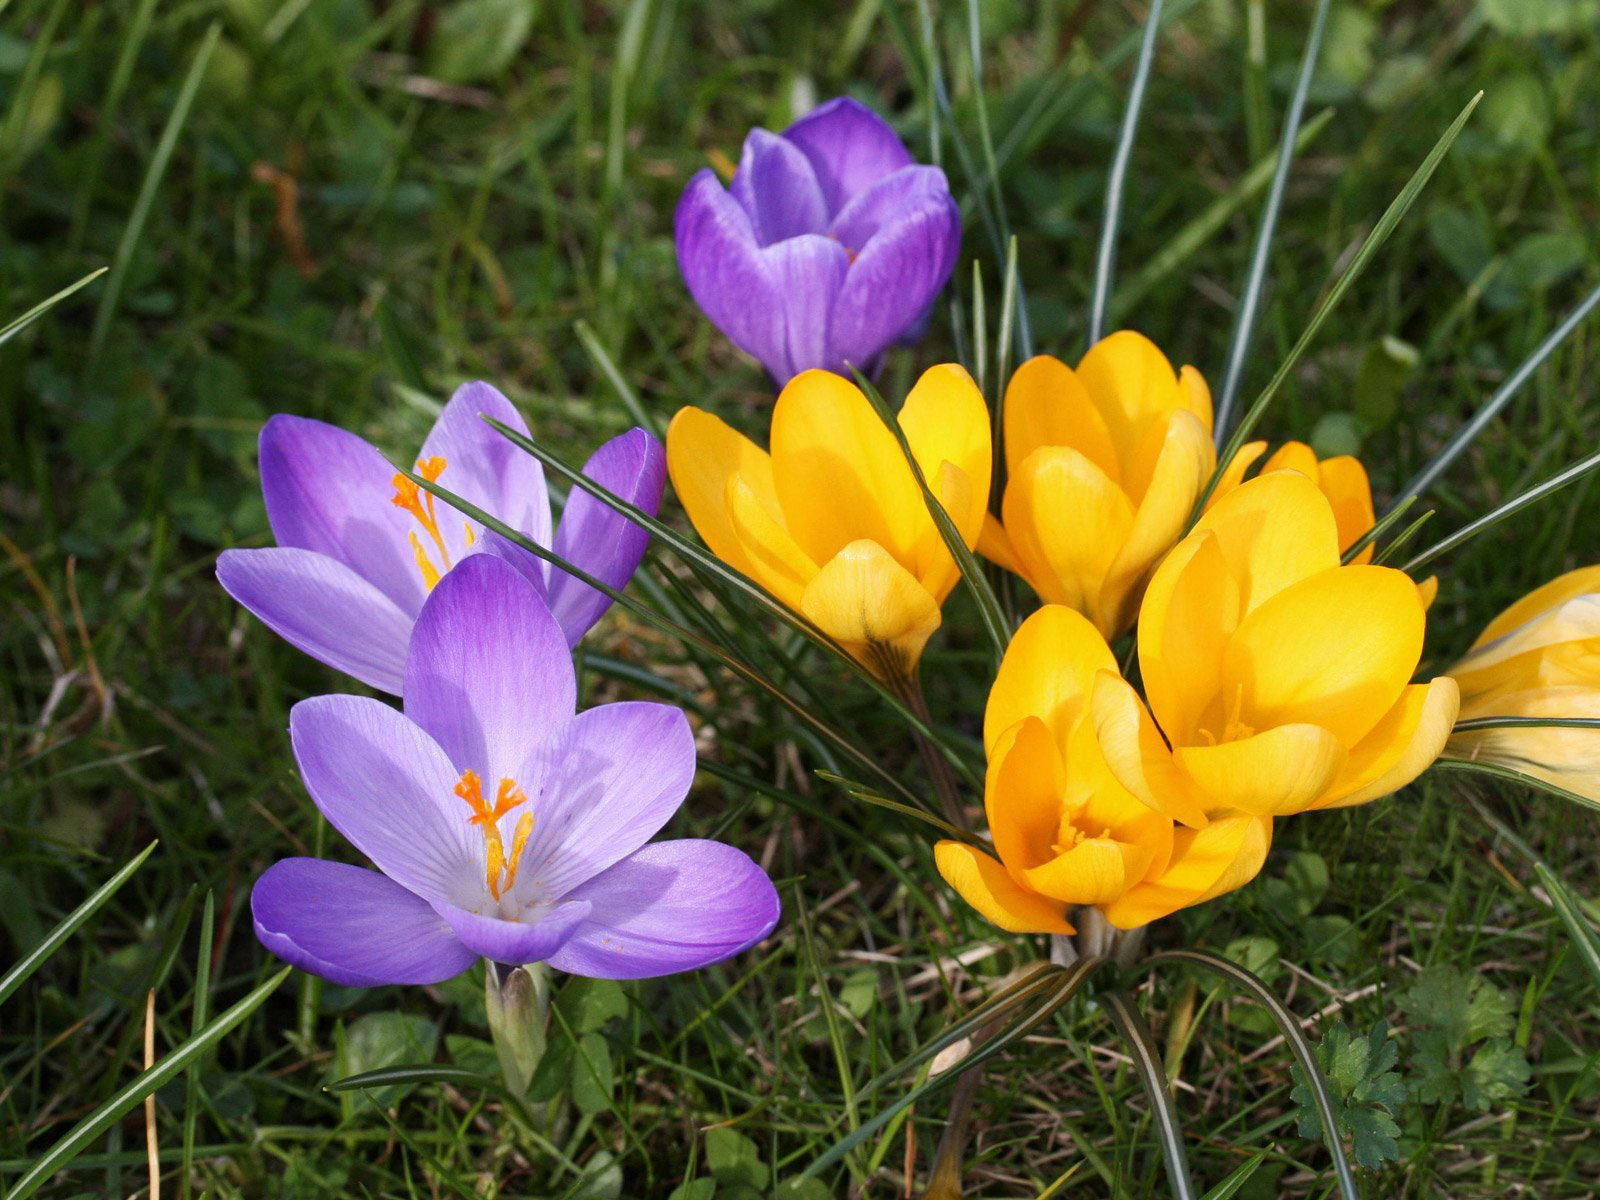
<point>345,208</point>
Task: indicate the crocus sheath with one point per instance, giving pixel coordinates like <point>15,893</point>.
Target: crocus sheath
<point>832,521</point>
<point>360,546</point>
<point>1066,832</point>
<point>1540,659</point>
<point>1278,680</point>
<point>502,823</point>
<point>1104,465</point>
<point>828,247</point>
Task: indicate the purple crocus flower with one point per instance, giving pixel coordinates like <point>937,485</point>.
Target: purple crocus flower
<point>505,825</point>
<point>829,246</point>
<point>360,546</point>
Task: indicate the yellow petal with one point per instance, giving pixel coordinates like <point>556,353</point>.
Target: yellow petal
<point>1185,464</point>
<point>703,454</point>
<point>1293,456</point>
<point>1137,756</point>
<point>1568,758</point>
<point>1273,530</point>
<point>983,883</point>
<point>1134,386</point>
<point>1427,589</point>
<point>1066,521</point>
<point>931,561</point>
<point>1233,474</point>
<point>775,562</point>
<point>1344,482</point>
<point>1095,871</point>
<point>1333,650</point>
<point>841,476</point>
<point>1189,612</point>
<point>945,420</point>
<point>994,545</point>
<point>872,605</point>
<point>1206,863</point>
<point>1543,598</point>
<point>1195,396</point>
<point>1048,672</point>
<point>1518,658</point>
<point>1282,771</point>
<point>1022,795</point>
<point>1400,747</point>
<point>1046,405</point>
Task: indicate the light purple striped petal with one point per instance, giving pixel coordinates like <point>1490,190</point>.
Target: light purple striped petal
<point>808,272</point>
<point>485,469</point>
<point>329,491</point>
<point>599,540</point>
<point>516,942</point>
<point>894,279</point>
<point>353,926</point>
<point>885,202</point>
<point>607,786</point>
<point>319,605</point>
<point>777,187</point>
<point>850,147</point>
<point>390,790</point>
<point>673,906</point>
<point>489,675</point>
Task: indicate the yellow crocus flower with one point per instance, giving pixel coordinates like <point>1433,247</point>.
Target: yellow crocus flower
<point>832,521</point>
<point>1539,658</point>
<point>1104,465</point>
<point>1066,832</point>
<point>1342,479</point>
<point>1279,681</point>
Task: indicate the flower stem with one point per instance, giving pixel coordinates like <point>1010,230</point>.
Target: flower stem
<point>945,784</point>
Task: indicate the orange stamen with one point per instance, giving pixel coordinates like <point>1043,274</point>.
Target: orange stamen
<point>409,496</point>
<point>500,873</point>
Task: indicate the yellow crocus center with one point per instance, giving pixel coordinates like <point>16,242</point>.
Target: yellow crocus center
<point>419,503</point>
<point>500,869</point>
<point>1074,828</point>
<point>1226,718</point>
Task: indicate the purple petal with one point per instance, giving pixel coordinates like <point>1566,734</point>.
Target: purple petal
<point>850,147</point>
<point>808,273</point>
<point>322,607</point>
<point>894,279</point>
<point>516,942</point>
<point>388,788</point>
<point>884,202</point>
<point>599,540</point>
<point>777,187</point>
<point>608,785</point>
<point>485,469</point>
<point>329,491</point>
<point>673,906</point>
<point>489,675</point>
<point>353,926</point>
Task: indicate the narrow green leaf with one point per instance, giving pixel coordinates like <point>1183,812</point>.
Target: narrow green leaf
<point>1238,1177</point>
<point>38,310</point>
<point>1511,775</point>
<point>35,958</point>
<point>1152,1074</point>
<point>1584,938</point>
<point>202,1011</point>
<point>1378,530</point>
<point>603,362</point>
<point>409,1073</point>
<point>1475,723</point>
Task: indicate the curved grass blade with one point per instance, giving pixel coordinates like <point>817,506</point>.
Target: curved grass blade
<point>38,310</point>
<point>1584,938</point>
<point>1369,247</point>
<point>642,416</point>
<point>412,1073</point>
<point>1153,1075</point>
<point>1475,723</point>
<point>1244,327</point>
<point>35,958</point>
<point>1512,775</point>
<point>1402,539</point>
<point>1238,1177</point>
<point>858,791</point>
<point>1378,529</point>
<point>1469,432</point>
<point>128,1098</point>
<point>1106,261</point>
<point>1512,506</point>
<point>1289,1026</point>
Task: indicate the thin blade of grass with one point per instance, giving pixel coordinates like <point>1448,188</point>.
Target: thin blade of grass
<point>129,1097</point>
<point>1512,775</point>
<point>604,364</point>
<point>1378,530</point>
<point>1469,432</point>
<point>1585,941</point>
<point>40,954</point>
<point>1152,1074</point>
<point>1105,266</point>
<point>1244,326</point>
<point>1289,1026</point>
<point>1477,723</point>
<point>860,792</point>
<point>1402,539</point>
<point>1369,247</point>
<point>202,1013</point>
<point>1511,507</point>
<point>1238,1177</point>
<point>44,306</point>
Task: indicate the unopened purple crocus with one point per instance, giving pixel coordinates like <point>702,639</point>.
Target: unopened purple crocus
<point>504,825</point>
<point>361,546</point>
<point>829,246</point>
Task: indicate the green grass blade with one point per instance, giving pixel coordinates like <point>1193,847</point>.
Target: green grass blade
<point>411,1073</point>
<point>1511,507</point>
<point>1469,432</point>
<point>160,159</point>
<point>36,958</point>
<point>44,306</point>
<point>1238,1177</point>
<point>1512,775</point>
<point>1378,530</point>
<point>1369,247</point>
<point>1289,1025</point>
<point>1153,1076</point>
<point>1584,938</point>
<point>604,364</point>
<point>1105,266</point>
<point>1477,723</point>
<point>202,1012</point>
<point>1244,326</point>
<point>857,791</point>
<point>129,1097</point>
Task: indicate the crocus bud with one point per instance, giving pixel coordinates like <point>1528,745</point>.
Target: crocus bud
<point>828,247</point>
<point>517,1000</point>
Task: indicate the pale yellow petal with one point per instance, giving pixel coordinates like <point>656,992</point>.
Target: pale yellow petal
<point>1273,530</point>
<point>1137,756</point>
<point>1272,774</point>
<point>775,561</point>
<point>703,454</point>
<point>1400,747</point>
<point>1567,757</point>
<point>874,607</point>
<point>1048,672</point>
<point>1517,658</point>
<point>1046,405</point>
<point>983,883</point>
<point>1189,612</point>
<point>1543,598</point>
